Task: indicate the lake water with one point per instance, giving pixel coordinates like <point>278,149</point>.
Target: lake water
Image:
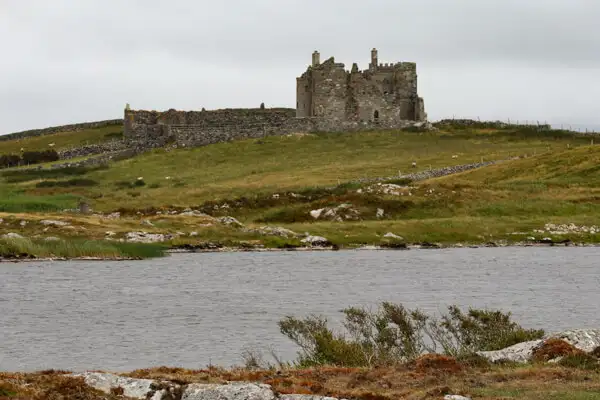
<point>192,310</point>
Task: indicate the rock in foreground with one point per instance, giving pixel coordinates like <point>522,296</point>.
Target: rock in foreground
<point>583,339</point>
<point>164,390</point>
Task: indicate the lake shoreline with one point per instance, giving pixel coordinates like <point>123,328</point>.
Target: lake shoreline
<point>424,246</point>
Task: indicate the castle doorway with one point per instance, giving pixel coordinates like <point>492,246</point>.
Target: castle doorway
<point>376,115</point>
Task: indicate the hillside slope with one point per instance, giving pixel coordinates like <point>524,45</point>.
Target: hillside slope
<point>279,180</point>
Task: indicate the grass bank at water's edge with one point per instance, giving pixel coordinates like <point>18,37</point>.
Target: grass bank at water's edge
<point>25,248</point>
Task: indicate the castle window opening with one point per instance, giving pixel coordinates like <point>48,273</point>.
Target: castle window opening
<point>376,115</point>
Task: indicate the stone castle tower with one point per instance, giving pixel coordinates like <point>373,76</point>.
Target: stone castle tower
<point>384,93</point>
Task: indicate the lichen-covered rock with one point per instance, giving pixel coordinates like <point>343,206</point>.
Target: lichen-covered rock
<point>233,391</point>
<point>343,212</point>
<point>316,241</point>
<point>274,231</point>
<point>583,339</point>
<point>230,221</point>
<point>12,235</point>
<point>520,352</point>
<point>194,213</point>
<point>145,237</point>
<point>51,222</point>
<point>136,388</point>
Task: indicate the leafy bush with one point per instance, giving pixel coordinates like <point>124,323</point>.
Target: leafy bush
<point>394,334</point>
<point>481,330</point>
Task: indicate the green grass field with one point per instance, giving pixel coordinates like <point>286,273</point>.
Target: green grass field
<point>555,181</point>
<point>62,140</point>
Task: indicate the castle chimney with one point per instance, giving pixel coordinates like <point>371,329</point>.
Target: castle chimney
<point>316,58</point>
<point>374,63</point>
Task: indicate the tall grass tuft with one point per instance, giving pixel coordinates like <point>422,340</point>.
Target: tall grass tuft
<point>17,202</point>
<point>20,248</point>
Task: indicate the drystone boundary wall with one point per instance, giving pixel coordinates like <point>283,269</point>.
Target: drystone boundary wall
<point>433,173</point>
<point>62,128</point>
<point>93,149</point>
<point>151,129</point>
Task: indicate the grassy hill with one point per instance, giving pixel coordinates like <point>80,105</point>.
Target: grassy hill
<point>279,180</point>
<point>62,140</point>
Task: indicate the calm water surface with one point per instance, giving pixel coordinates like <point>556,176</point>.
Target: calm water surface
<point>191,310</point>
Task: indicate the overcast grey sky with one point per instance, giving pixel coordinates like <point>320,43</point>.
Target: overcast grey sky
<point>68,61</point>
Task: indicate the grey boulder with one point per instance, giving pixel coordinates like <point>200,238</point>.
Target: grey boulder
<point>135,388</point>
<point>583,339</point>
<point>233,391</point>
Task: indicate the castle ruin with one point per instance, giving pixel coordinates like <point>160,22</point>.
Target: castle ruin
<point>328,99</point>
<point>383,92</point>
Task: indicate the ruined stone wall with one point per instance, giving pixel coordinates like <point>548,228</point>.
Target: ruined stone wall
<point>151,129</point>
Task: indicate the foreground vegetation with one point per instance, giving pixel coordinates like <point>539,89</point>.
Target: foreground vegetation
<point>377,358</point>
<point>552,178</point>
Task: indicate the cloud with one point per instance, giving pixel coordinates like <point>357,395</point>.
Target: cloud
<point>68,61</point>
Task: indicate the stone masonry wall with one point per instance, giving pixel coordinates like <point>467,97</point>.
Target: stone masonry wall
<point>151,129</point>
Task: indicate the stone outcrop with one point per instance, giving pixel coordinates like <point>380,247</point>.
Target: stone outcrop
<point>316,241</point>
<point>583,339</point>
<point>233,391</point>
<point>148,389</point>
<point>145,237</point>
<point>274,231</point>
<point>134,388</point>
<point>343,212</point>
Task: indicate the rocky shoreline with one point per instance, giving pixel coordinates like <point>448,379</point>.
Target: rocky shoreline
<point>163,383</point>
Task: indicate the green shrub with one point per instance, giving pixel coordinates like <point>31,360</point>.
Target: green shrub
<point>393,334</point>
<point>481,330</point>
